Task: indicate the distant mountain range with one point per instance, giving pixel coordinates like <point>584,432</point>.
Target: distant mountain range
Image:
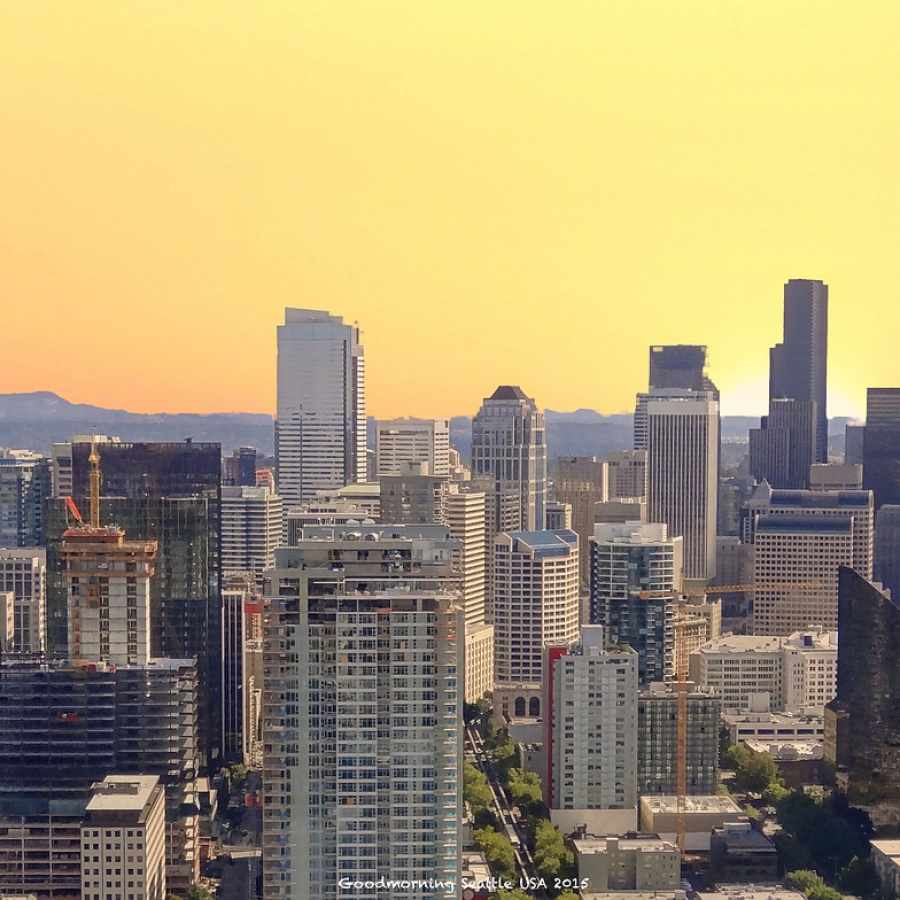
<point>36,420</point>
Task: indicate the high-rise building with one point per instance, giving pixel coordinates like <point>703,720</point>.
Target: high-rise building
<point>635,579</point>
<point>658,740</point>
<point>581,481</point>
<point>535,605</point>
<point>320,425</point>
<point>798,366</point>
<point>64,728</point>
<point>7,622</point>
<point>680,366</point>
<point>61,461</point>
<point>799,539</point>
<point>854,437</point>
<point>639,426</point>
<point>887,548</point>
<point>559,515</point>
<point>508,444</point>
<point>783,448</point>
<point>590,724</point>
<point>239,469</point>
<point>238,593</point>
<point>24,486</point>
<point>400,441</point>
<point>618,512</point>
<point>123,839</point>
<point>412,496</point>
<point>168,493</point>
<point>23,572</point>
<point>682,475</point>
<point>863,720</point>
<point>836,477</point>
<point>695,625</point>
<point>363,712</point>
<point>252,525</point>
<point>627,473</point>
<point>881,445</point>
<point>464,513</point>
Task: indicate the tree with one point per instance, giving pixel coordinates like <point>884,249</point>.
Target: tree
<point>551,856</point>
<point>811,885</point>
<point>498,851</point>
<point>755,772</point>
<point>514,894</point>
<point>476,791</point>
<point>524,787</point>
<point>238,773</point>
<point>859,878</point>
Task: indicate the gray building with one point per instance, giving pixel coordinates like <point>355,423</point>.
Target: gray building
<point>881,445</point>
<point>887,547</point>
<point>783,448</point>
<point>24,485</point>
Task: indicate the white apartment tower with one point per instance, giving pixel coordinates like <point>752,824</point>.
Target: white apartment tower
<point>320,426</point>
<point>509,446</point>
<point>123,839</point>
<point>251,530</point>
<point>682,474</point>
<point>362,715</point>
<point>590,724</point>
<point>23,572</point>
<point>401,441</point>
<point>535,605</point>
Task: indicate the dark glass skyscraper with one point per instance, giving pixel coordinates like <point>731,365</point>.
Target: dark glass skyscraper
<point>680,366</point>
<point>881,445</point>
<point>169,493</point>
<point>798,366</point>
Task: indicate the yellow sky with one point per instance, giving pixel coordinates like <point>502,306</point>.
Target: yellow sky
<point>502,191</point>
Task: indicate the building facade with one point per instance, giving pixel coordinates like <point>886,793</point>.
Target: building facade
<point>401,441</point>
<point>252,523</point>
<point>881,440</point>
<point>23,572</point>
<point>24,486</point>
<point>581,481</point>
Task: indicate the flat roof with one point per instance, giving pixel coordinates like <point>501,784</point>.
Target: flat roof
<point>593,843</point>
<point>750,892</point>
<point>117,793</point>
<point>696,803</point>
<point>887,847</point>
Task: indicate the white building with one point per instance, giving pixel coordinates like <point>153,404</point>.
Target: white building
<point>479,669</point>
<point>464,510</point>
<point>627,474</point>
<point>320,426</point>
<point>682,474</point>
<point>123,840</point>
<point>535,606</point>
<point>590,725</point>
<point>252,524</point>
<point>362,725</point>
<point>508,445</point>
<point>797,672</point>
<point>23,571</point>
<point>399,441</point>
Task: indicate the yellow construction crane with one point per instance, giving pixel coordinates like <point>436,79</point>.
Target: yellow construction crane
<point>94,460</point>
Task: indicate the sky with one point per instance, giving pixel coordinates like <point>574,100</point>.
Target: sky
<point>503,192</point>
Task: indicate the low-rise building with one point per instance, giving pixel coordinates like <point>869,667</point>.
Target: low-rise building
<point>741,854</point>
<point>659,814</point>
<point>798,762</point>
<point>747,725</point>
<point>886,859</point>
<point>630,862</point>
<point>749,892</point>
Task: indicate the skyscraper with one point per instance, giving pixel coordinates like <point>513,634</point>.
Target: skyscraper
<point>535,605</point>
<point>400,441</point>
<point>508,444</point>
<point>783,448</point>
<point>680,366</point>
<point>581,481</point>
<point>627,470</point>
<point>23,571</point>
<point>24,485</point>
<point>320,426</point>
<point>252,525</point>
<point>798,366</point>
<point>682,475</point>
<point>635,579</point>
<point>881,445</point>
<point>363,714</point>
<point>887,548</point>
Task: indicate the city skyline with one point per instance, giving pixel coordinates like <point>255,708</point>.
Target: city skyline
<point>545,197</point>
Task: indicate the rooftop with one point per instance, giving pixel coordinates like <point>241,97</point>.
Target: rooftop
<point>547,543</point>
<point>780,524</point>
<point>788,751</point>
<point>887,847</point>
<point>696,803</point>
<point>750,892</point>
<point>509,392</point>
<point>743,836</point>
<point>122,792</point>
<point>592,843</point>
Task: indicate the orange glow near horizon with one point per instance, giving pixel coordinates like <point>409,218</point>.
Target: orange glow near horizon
<point>497,192</point>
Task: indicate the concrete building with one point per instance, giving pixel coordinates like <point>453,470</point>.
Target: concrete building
<point>887,548</point>
<point>741,854</point>
<point>464,509</point>
<point>618,512</point>
<point>123,839</point>
<point>508,444</point>
<point>364,494</point>
<point>798,366</point>
<point>633,862</point>
<point>836,477</point>
<point>412,496</point>
<point>401,441</point>
<point>582,482</point>
<point>659,814</point>
<point>867,691</point>
<point>590,725</point>
<point>756,723</point>
<point>24,485</point>
<point>682,475</point>
<point>479,667</point>
<point>61,461</point>
<point>783,448</point>
<point>535,606</point>
<point>63,728</point>
<point>635,578</point>
<point>559,516</point>
<point>749,892</point>
<point>238,593</point>
<point>885,857</point>
<point>657,740</point>
<point>881,440</point>
<point>252,527</point>
<point>797,671</point>
<point>239,469</point>
<point>798,762</point>
<point>627,474</point>
<point>333,513</point>
<point>7,622</point>
<point>23,572</point>
<point>320,427</point>
<point>695,625</point>
<point>854,436</point>
<point>362,714</point>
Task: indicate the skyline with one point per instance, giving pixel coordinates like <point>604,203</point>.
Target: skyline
<point>547,197</point>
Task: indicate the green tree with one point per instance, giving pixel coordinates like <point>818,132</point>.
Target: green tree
<point>755,772</point>
<point>498,851</point>
<point>859,878</point>
<point>238,773</point>
<point>524,787</point>
<point>551,856</point>
<point>812,885</point>
<point>476,791</point>
<point>514,894</point>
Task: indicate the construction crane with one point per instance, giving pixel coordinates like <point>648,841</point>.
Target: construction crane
<point>734,589</point>
<point>94,460</point>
